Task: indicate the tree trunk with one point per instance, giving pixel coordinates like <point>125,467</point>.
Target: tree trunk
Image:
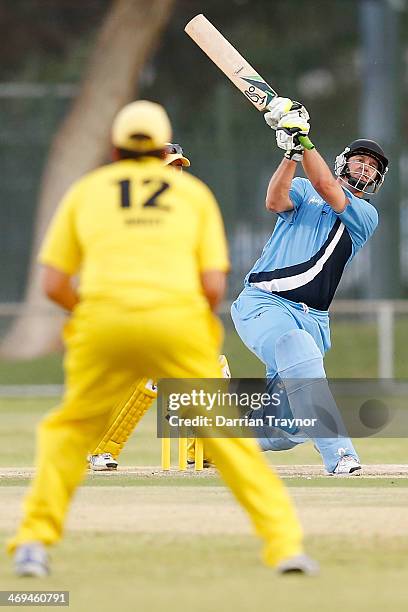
<point>126,40</point>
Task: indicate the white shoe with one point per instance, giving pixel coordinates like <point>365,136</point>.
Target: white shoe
<point>31,560</point>
<point>299,564</point>
<point>102,463</point>
<point>347,465</point>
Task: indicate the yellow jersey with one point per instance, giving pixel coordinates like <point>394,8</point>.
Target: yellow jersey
<point>139,233</point>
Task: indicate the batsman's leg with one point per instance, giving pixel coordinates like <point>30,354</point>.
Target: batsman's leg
<point>291,353</point>
<point>300,366</point>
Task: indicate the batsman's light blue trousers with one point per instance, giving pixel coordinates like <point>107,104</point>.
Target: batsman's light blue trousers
<point>291,340</point>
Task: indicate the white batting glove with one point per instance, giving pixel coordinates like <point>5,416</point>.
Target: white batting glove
<point>277,108</point>
<point>294,121</point>
<point>288,142</point>
<point>290,127</point>
<point>295,154</point>
<point>301,110</point>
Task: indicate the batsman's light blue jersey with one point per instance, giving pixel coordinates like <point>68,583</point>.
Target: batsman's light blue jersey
<point>310,246</point>
<point>282,313</point>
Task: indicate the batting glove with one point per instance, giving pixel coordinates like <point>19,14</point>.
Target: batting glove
<point>287,136</point>
<point>279,107</point>
<point>293,131</point>
<point>295,154</point>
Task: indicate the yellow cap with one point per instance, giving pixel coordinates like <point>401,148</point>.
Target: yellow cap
<point>141,126</point>
<point>173,152</point>
<point>171,158</point>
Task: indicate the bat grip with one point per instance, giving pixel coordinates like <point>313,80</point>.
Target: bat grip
<point>306,142</point>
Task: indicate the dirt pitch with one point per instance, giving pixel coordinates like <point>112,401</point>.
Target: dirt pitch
<point>286,471</point>
<point>208,510</point>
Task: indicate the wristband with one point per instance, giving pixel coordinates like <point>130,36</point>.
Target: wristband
<point>306,142</point>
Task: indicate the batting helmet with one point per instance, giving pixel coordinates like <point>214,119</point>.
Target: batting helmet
<point>366,147</point>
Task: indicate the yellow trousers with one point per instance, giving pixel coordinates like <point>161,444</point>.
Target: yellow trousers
<point>107,349</point>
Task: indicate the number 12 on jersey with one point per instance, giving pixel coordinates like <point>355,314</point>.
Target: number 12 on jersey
<point>152,201</point>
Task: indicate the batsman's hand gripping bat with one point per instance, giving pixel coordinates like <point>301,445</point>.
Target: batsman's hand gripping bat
<point>232,64</point>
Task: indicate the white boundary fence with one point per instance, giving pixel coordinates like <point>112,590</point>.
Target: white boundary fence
<point>385,312</point>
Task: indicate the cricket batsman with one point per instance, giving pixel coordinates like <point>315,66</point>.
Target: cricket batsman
<point>323,221</point>
<point>150,249</point>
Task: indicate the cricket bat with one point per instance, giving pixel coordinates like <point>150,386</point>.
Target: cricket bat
<point>232,64</point>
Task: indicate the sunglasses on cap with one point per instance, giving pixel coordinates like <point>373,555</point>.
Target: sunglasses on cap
<point>173,149</point>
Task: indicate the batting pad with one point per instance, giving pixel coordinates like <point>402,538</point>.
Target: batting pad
<point>126,416</point>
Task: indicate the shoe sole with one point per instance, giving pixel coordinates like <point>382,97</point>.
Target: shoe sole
<point>106,468</point>
<point>305,567</point>
<point>357,471</point>
<point>33,570</point>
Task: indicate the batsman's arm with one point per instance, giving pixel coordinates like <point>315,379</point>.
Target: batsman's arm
<point>277,195</point>
<point>58,287</point>
<point>322,179</point>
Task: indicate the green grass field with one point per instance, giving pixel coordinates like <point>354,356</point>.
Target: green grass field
<point>354,355</point>
<point>172,542</point>
<point>152,542</point>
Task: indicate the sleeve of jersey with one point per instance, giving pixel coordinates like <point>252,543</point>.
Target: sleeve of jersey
<point>360,218</point>
<point>297,196</point>
<point>61,248</point>
<point>212,247</point>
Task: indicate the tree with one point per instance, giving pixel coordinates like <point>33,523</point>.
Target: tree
<point>127,38</point>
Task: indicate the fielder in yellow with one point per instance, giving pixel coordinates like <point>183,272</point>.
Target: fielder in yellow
<point>125,417</point>
<point>149,246</point>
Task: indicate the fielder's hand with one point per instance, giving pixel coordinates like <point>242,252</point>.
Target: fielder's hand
<point>279,107</point>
